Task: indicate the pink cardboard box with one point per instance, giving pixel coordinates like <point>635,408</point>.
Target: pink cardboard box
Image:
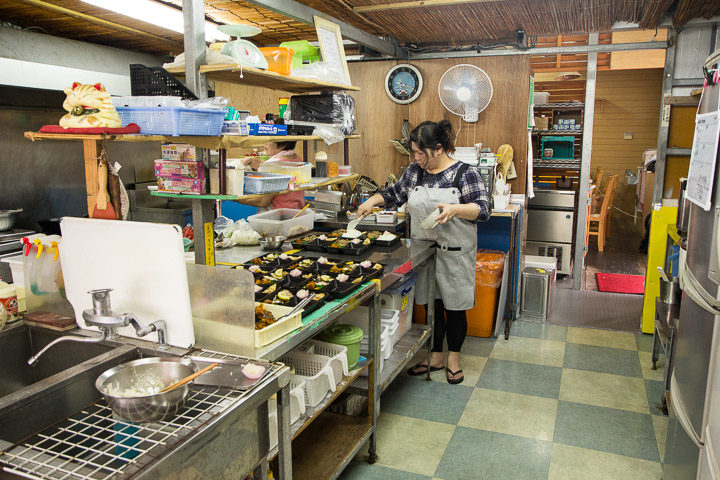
<point>181,185</point>
<point>175,168</point>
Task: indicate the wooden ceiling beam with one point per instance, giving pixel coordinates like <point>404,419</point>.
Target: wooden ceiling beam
<point>416,4</point>
<point>100,21</point>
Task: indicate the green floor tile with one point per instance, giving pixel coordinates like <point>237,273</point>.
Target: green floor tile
<point>607,430</point>
<point>433,401</point>
<point>475,454</point>
<point>644,342</point>
<point>477,346</point>
<point>519,377</point>
<point>543,331</point>
<point>573,463</point>
<point>655,392</point>
<point>363,471</point>
<point>602,359</point>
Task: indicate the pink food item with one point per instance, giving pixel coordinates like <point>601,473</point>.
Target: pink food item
<point>258,288</point>
<point>342,278</point>
<point>322,237</point>
<point>302,294</point>
<point>283,256</point>
<point>322,260</point>
<point>252,371</point>
<point>295,273</point>
<point>356,241</point>
<point>366,264</point>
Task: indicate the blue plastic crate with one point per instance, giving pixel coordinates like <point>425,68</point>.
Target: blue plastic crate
<point>173,120</point>
<point>267,129</point>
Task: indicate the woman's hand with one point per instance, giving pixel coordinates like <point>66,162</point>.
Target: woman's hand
<point>366,207</point>
<point>448,211</point>
<point>253,162</point>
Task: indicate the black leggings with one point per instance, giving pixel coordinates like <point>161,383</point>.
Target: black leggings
<point>452,323</point>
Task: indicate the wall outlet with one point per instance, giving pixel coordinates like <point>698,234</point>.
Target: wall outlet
<point>627,136</point>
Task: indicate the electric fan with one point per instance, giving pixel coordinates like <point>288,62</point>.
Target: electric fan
<point>465,90</point>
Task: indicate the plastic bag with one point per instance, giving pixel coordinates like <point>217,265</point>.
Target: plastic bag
<point>489,268</point>
<point>214,102</point>
<point>329,135</point>
<point>232,233</point>
<point>337,109</point>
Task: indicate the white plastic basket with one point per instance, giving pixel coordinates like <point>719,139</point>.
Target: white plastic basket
<point>337,354</point>
<point>317,373</point>
<point>380,359</point>
<point>265,182</point>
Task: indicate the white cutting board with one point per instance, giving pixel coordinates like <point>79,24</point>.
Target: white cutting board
<point>142,262</point>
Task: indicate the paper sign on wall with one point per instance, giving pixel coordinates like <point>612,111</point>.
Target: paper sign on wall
<point>702,160</point>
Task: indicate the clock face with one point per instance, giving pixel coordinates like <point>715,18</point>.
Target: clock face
<point>403,83</point>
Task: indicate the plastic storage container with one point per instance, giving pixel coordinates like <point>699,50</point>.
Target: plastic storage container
<point>278,329</point>
<point>488,277</point>
<point>349,336</point>
<point>300,170</point>
<point>559,147</point>
<point>304,52</point>
<point>174,120</point>
<point>388,318</point>
<point>317,373</point>
<point>264,182</point>
<point>279,59</point>
<point>281,222</point>
<point>234,181</point>
<point>401,297</point>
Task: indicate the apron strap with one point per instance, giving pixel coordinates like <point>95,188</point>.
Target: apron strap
<point>459,174</point>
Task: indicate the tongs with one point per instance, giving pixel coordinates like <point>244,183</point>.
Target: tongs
<point>297,307</point>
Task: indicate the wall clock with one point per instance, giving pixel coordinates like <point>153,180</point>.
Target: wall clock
<point>403,83</point>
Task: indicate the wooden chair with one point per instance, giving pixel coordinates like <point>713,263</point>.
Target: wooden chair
<point>603,218</point>
<point>598,177</point>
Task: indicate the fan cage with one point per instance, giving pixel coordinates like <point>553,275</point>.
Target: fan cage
<point>459,76</point>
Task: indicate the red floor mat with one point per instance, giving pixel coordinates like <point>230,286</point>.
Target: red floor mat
<point>620,283</point>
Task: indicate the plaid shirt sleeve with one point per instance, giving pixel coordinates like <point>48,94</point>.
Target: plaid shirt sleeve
<point>474,190</point>
<point>397,193</point>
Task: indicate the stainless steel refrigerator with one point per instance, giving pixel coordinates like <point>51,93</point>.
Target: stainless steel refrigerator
<point>694,406</point>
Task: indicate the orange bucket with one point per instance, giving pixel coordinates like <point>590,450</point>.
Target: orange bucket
<point>488,277</point>
<point>279,59</point>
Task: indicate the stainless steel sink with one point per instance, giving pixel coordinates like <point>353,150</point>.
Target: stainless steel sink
<point>19,343</point>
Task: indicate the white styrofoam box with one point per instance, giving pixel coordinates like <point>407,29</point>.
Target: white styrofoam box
<point>337,354</point>
<point>16,270</point>
<point>317,373</point>
<point>234,181</point>
<point>546,263</point>
<point>359,317</point>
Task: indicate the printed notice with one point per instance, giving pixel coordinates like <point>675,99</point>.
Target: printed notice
<point>702,159</point>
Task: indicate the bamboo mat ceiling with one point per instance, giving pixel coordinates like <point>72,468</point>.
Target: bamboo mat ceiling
<point>444,25</point>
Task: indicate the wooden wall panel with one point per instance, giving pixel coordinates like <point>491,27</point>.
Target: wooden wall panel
<point>380,120</point>
<point>626,101</point>
<point>638,59</point>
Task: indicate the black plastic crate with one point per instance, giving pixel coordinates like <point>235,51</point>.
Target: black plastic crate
<point>155,81</point>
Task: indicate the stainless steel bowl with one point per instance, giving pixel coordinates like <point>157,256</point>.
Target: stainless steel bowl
<point>7,219</point>
<point>273,242</point>
<point>147,408</point>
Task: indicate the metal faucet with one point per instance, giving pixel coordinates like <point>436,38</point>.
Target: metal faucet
<point>102,316</point>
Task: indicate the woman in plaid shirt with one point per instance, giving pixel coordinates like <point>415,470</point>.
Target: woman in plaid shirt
<point>445,200</point>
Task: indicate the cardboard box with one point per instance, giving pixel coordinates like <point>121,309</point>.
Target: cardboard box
<point>175,168</point>
<point>181,185</point>
<point>542,123</point>
<point>178,152</point>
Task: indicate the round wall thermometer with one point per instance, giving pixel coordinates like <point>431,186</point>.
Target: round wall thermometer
<point>403,83</point>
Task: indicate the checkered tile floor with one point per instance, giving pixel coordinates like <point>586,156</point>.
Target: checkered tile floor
<point>552,402</point>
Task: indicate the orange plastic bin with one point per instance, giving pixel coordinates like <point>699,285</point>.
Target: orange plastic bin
<point>279,59</point>
<point>488,277</point>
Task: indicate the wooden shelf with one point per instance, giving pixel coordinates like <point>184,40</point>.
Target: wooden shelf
<point>228,72</point>
<point>212,143</point>
<point>303,187</point>
<point>558,132</point>
<point>560,106</point>
<point>328,445</point>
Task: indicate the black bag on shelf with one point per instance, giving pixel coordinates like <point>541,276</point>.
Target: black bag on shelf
<point>328,109</point>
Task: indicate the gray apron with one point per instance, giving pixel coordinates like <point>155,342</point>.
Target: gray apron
<point>456,243</point>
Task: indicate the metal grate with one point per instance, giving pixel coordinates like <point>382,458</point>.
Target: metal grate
<point>93,444</point>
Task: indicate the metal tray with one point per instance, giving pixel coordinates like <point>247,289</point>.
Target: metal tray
<point>228,373</point>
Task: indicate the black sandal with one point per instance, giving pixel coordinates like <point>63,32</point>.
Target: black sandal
<point>413,370</point>
<point>449,372</point>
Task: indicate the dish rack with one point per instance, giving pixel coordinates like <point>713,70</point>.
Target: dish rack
<point>317,373</point>
<point>93,445</point>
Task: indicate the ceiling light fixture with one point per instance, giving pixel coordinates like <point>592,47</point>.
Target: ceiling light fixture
<point>156,14</point>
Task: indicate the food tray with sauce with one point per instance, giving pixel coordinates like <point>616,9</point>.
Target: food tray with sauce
<point>279,329</point>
